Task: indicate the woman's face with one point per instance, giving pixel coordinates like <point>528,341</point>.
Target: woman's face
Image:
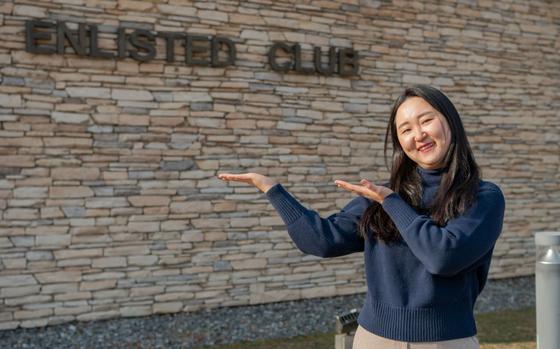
<point>423,133</point>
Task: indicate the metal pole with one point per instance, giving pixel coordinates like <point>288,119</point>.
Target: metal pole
<point>547,279</point>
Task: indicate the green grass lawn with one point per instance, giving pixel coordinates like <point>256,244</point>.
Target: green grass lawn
<point>509,329</point>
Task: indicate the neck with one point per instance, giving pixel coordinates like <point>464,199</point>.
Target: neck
<point>430,177</point>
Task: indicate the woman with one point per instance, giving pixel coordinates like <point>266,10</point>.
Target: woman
<point>427,235</point>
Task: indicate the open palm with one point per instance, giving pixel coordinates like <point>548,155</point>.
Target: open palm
<point>262,182</point>
<point>366,189</point>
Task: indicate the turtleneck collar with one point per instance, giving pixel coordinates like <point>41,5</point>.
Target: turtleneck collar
<point>430,177</point>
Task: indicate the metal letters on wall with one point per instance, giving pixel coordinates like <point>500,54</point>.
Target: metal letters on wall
<point>199,50</point>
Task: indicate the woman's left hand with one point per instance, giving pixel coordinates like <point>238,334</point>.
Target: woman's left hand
<point>366,189</point>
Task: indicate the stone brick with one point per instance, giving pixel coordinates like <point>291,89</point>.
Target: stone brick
<point>97,285</point>
<point>23,241</point>
<point>21,214</point>
<point>10,101</point>
<point>30,192</point>
<point>134,311</point>
<point>10,325</point>
<point>414,79</point>
<point>69,118</point>
<point>47,229</point>
<point>14,263</point>
<point>100,315</point>
<point>142,260</point>
<point>327,106</point>
<point>177,10</point>
<point>127,251</point>
<point>177,165</point>
<point>16,280</point>
<point>68,142</point>
<point>191,97</point>
<point>191,207</point>
<point>106,202</point>
<point>133,120</point>
<point>70,192</point>
<point>109,262</point>
<point>16,161</point>
<point>51,212</point>
<point>89,92</point>
<point>253,263</point>
<point>110,294</point>
<point>27,142</point>
<point>243,19</point>
<point>78,253</point>
<point>5,242</point>
<point>75,173</point>
<point>71,310</point>
<point>149,200</point>
<point>146,291</point>
<point>323,291</point>
<point>33,323</point>
<point>167,307</point>
<point>254,34</point>
<point>213,15</point>
<point>174,225</point>
<point>32,314</point>
<point>59,288</point>
<point>7,292</point>
<point>131,95</point>
<point>29,11</point>
<point>59,276</point>
<point>53,240</point>
<point>143,227</point>
<point>74,296</point>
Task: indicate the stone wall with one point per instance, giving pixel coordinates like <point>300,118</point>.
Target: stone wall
<point>110,205</point>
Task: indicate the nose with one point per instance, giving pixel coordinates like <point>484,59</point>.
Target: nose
<point>419,135</point>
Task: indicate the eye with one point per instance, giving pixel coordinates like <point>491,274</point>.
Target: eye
<point>405,131</point>
<point>427,120</point>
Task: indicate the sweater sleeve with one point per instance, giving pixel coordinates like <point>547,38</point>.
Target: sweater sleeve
<point>461,242</point>
<point>333,236</point>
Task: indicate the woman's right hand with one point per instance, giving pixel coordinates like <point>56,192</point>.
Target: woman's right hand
<point>262,182</point>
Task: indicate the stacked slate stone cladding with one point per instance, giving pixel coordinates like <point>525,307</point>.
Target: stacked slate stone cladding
<point>110,205</point>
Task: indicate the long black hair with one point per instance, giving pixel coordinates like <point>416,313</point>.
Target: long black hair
<point>460,173</point>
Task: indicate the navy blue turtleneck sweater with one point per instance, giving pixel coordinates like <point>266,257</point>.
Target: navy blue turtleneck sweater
<point>424,288</point>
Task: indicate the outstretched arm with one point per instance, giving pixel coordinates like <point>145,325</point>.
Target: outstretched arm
<point>333,236</point>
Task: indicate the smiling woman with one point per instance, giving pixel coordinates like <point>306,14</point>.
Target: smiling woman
<point>427,235</point>
<point>425,135</point>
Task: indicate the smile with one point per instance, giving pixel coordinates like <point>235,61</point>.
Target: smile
<point>426,148</point>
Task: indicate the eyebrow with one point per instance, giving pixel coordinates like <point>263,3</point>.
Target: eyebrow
<point>418,117</point>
